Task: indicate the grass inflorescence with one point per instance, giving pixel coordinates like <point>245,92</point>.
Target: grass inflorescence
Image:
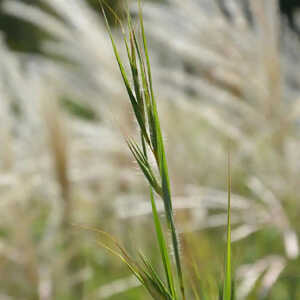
<point>143,102</point>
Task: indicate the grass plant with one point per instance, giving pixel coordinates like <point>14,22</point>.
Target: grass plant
<point>217,80</point>
<point>143,102</point>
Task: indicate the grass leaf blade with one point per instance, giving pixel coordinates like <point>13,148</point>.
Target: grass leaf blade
<point>162,246</point>
<point>227,280</point>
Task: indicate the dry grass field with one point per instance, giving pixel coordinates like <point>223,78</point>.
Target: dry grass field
<point>65,165</point>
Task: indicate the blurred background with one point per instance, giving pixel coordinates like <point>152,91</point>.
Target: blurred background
<point>225,71</point>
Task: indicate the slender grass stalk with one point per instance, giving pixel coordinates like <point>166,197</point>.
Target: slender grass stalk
<point>139,87</point>
<point>144,106</point>
<point>227,290</point>
<point>162,163</point>
<point>163,247</point>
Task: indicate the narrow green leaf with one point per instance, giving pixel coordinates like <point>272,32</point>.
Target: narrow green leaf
<point>227,280</point>
<point>139,100</point>
<point>166,195</point>
<point>161,160</point>
<point>162,246</point>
